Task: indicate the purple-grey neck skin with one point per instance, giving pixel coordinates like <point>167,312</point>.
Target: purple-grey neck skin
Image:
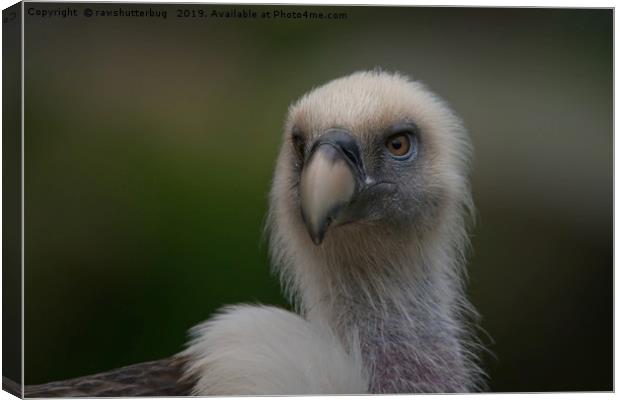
<point>389,277</point>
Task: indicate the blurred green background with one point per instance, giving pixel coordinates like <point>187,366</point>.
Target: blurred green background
<point>150,145</point>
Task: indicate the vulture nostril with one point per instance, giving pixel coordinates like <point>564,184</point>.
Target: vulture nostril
<point>351,155</point>
<point>347,144</point>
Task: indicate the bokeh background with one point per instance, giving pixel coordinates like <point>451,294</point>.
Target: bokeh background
<point>150,144</point>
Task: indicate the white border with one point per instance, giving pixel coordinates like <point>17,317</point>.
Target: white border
<point>478,3</point>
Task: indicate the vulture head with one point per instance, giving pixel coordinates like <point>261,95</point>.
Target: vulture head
<point>369,150</point>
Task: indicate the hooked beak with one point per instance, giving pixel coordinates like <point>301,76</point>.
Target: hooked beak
<point>332,176</point>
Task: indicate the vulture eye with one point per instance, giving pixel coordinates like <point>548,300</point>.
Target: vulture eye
<point>298,143</point>
<point>399,145</point>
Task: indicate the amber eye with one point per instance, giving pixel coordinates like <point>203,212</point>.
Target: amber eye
<point>398,145</point>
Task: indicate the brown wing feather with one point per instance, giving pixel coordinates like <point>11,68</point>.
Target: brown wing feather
<point>154,378</point>
<point>12,387</point>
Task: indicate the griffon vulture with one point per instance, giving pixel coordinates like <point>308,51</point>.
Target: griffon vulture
<point>367,228</point>
<point>368,219</point>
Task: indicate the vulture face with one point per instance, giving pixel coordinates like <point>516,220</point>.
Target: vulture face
<point>371,149</point>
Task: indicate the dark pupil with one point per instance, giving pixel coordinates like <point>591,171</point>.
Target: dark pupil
<point>397,144</point>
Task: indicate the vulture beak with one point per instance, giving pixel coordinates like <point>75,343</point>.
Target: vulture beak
<point>332,176</point>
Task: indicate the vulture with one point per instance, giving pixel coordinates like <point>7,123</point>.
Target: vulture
<point>368,222</point>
